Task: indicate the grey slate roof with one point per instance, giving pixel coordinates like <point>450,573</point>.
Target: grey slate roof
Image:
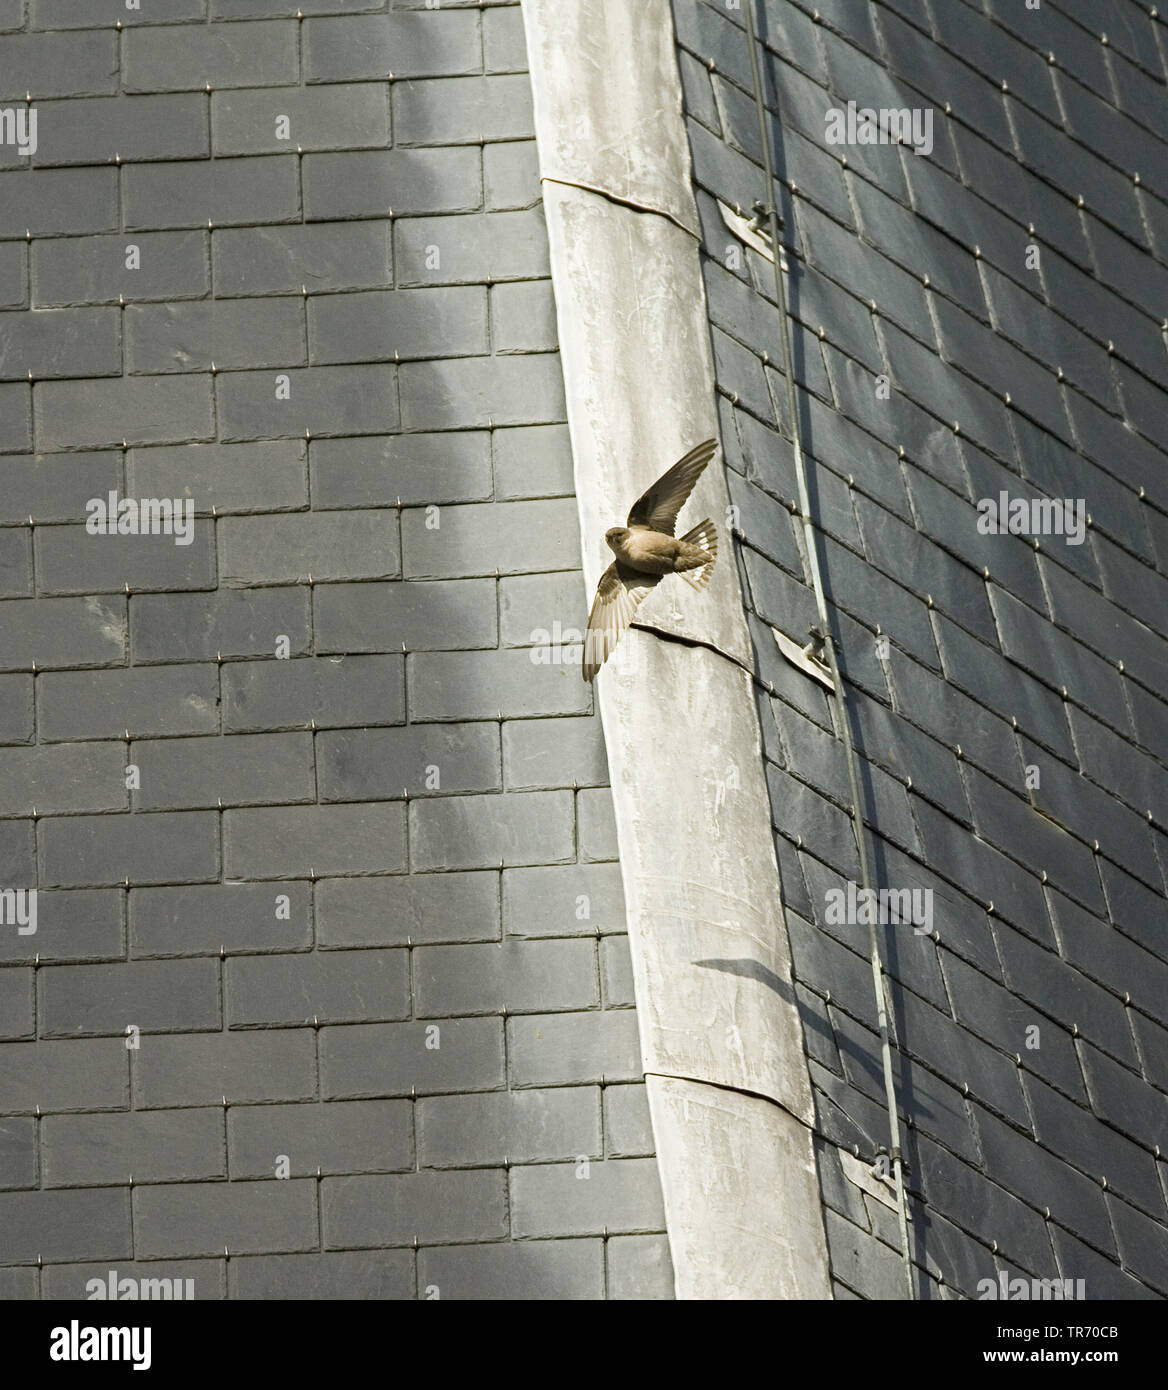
<point>418,992</point>
<point>1002,655</point>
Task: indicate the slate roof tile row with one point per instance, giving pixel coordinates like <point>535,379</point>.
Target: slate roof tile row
<point>1007,688</point>
<point>298,801</point>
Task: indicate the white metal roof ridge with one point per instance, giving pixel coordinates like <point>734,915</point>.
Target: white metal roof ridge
<point>721,1039</point>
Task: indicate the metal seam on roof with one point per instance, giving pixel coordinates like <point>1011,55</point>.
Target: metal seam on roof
<point>721,1037</point>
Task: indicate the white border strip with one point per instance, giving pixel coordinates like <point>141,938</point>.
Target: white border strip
<point>722,1042</point>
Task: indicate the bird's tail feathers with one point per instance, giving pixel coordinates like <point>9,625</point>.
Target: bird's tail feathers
<point>705,535</point>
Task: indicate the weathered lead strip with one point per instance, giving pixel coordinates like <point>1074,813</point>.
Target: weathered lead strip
<point>722,1043</point>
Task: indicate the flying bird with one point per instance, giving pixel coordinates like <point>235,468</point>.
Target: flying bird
<point>647,550</point>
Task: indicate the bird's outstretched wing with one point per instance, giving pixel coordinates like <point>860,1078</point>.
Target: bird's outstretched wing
<point>657,509</point>
<point>618,596</point>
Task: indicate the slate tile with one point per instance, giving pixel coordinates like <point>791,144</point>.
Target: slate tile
<point>471,248</point>
<point>203,1069</point>
<point>1052,985</point>
<point>1057,659</point>
<point>504,48</point>
<point>452,614</point>
<point>1101,626</point>
<point>1135,908</point>
<point>1002,686</point>
<point>510,976</point>
<point>102,850</point>
<point>1126,1101</point>
<point>71,1075</point>
<point>510,175</point>
<point>277,841</point>
<point>1091,813</point>
<point>1043,1180</point>
<point>237,770</point>
<point>222,479</point>
<point>420,469</point>
<point>1003,814</point>
<point>1140,1244</point>
<point>153,1146</point>
<point>1103,1279</point>
<point>320,400</point>
<point>18,1152</point>
<point>1118,765</point>
<point>203,1218</point>
<point>234,333</point>
<point>945,1045</point>
<point>982,1204</point>
<point>336,1137</point>
<point>171,265</point>
<point>72,925</point>
<point>340,116</point>
<point>1150,716</point>
<point>318,256</point>
<point>141,410</point>
<point>539,753</point>
<point>457,686</point>
<point>392,1059</point>
<point>382,326</point>
<point>203,919</point>
<point>531,604</point>
<point>1082,298</point>
<point>228,623</point>
<point>380,1274</point>
<point>330,546</point>
<point>980,869</point>
<point>67,1224</point>
<point>903,551</point>
<point>547,1197</point>
<point>60,343</point>
<point>253,55</point>
<point>462,110</point>
<point>355,47</point>
<point>59,65</point>
<point>97,130</point>
<point>371,764</point>
<point>474,392</point>
<point>529,1126</point>
<point>58,202</point>
<point>353,690</point>
<point>395,911</point>
<point>943,76</point>
<point>355,183</point>
<point>563,900</point>
<point>233,192</point>
<point>1008,1022</point>
<point>153,996</point>
<point>1069,1130</point>
<point>1075,170</point>
<point>572,1048</point>
<point>514,828</point>
<point>1108,956</point>
<point>339,987</point>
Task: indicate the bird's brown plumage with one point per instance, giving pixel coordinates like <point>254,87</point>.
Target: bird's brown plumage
<point>646,551</point>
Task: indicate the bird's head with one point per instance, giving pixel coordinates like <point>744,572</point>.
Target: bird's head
<point>616,536</point>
